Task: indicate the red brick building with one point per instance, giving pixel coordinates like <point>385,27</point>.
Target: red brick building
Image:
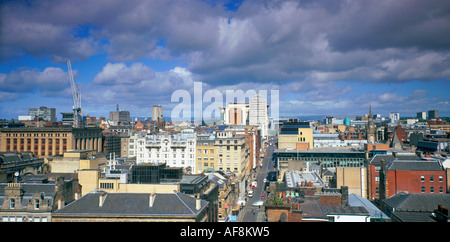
<point>411,176</point>
<point>405,173</point>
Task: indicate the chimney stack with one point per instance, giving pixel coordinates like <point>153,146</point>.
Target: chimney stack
<point>344,195</point>
<point>152,199</point>
<point>61,202</point>
<point>77,195</point>
<point>198,203</point>
<point>102,198</point>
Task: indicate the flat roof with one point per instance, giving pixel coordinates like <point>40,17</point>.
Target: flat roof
<point>318,151</point>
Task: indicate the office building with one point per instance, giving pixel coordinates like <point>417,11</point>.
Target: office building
<point>46,141</point>
<point>175,150</point>
<point>433,114</point>
<point>254,113</point>
<point>235,113</point>
<point>119,116</point>
<point>295,135</point>
<point>43,114</point>
<point>100,206</point>
<point>205,152</point>
<point>258,114</point>
<point>394,117</point>
<point>157,113</point>
<point>422,115</point>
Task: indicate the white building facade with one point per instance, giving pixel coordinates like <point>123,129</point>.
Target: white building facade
<point>175,150</point>
<point>258,114</point>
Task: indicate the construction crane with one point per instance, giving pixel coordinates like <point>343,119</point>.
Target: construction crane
<point>77,121</point>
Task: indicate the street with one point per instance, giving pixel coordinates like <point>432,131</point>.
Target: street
<point>251,213</point>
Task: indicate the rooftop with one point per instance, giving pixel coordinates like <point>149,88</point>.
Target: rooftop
<point>166,204</point>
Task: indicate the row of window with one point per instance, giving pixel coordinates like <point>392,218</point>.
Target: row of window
<point>205,158</point>
<point>422,178</point>
<point>228,141</point>
<point>422,190</point>
<point>12,203</point>
<point>23,219</point>
<point>205,164</point>
<point>106,185</point>
<point>205,151</point>
<point>36,135</point>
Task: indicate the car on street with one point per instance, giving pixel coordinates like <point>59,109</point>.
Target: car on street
<point>250,194</point>
<point>258,203</point>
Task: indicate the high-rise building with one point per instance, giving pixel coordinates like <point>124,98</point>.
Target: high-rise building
<point>394,117</point>
<point>235,113</point>
<point>119,116</point>
<point>43,113</point>
<point>258,114</point>
<point>422,115</point>
<point>157,112</point>
<point>433,114</point>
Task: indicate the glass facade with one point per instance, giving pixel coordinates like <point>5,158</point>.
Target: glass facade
<point>155,173</point>
<point>326,158</point>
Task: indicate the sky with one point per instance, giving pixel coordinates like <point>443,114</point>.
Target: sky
<point>333,57</point>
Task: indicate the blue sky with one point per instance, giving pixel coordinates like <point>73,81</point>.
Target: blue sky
<point>324,57</point>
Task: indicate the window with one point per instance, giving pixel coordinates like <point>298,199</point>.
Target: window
<point>422,178</point>
<point>431,178</point>
<point>36,204</point>
<point>106,185</point>
<point>423,189</point>
<point>431,189</point>
<point>441,179</point>
<point>12,203</point>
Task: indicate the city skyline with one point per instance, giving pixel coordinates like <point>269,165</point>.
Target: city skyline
<point>325,58</point>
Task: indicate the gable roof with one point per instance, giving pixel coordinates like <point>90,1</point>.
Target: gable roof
<point>415,165</point>
<point>417,201</point>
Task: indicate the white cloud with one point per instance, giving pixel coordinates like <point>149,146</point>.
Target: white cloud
<point>51,79</point>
